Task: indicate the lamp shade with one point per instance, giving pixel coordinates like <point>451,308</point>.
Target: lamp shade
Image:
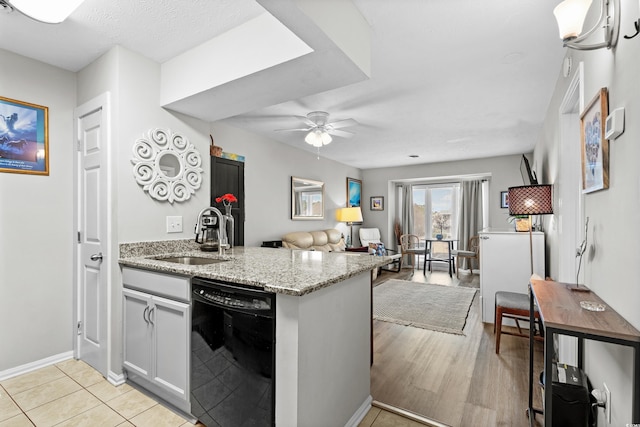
<point>47,11</point>
<point>570,15</point>
<point>353,214</point>
<point>531,200</point>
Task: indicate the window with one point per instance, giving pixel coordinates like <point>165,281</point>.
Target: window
<point>435,210</point>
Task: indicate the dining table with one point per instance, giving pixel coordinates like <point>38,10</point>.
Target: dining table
<point>429,258</point>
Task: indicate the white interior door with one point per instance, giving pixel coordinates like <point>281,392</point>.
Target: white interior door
<point>92,260</point>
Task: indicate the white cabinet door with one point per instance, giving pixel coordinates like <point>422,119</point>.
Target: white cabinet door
<point>171,345</point>
<point>505,265</point>
<point>137,332</point>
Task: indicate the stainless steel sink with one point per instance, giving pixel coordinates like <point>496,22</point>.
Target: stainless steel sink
<point>191,260</point>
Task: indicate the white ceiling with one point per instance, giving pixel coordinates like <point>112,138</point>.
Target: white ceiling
<point>450,79</point>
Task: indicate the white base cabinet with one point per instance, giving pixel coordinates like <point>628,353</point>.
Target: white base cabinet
<point>156,342</point>
<point>505,265</point>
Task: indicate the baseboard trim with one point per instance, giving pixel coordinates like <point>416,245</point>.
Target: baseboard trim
<point>116,379</point>
<point>32,366</point>
<point>408,414</point>
<point>359,415</point>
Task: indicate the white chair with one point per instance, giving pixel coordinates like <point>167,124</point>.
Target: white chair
<point>369,235</point>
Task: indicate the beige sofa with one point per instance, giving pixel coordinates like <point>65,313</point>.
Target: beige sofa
<point>323,240</point>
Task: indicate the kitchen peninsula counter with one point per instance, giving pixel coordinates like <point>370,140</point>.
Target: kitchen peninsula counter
<point>323,321</point>
<point>278,270</point>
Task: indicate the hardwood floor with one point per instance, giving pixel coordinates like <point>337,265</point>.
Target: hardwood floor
<point>453,379</point>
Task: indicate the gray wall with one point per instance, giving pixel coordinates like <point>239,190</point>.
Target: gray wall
<point>503,172</point>
<point>36,232</point>
<point>613,213</point>
<point>269,166</point>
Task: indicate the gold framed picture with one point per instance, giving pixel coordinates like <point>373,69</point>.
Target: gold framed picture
<point>24,137</point>
<point>594,147</point>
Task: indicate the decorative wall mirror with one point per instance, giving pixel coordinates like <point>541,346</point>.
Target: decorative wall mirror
<point>307,199</point>
<point>167,165</point>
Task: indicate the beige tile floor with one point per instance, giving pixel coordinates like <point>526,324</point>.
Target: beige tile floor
<point>71,393</point>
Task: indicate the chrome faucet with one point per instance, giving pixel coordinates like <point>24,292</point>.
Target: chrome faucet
<point>223,241</point>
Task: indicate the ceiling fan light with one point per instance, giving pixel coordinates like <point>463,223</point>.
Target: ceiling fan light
<point>314,138</point>
<point>325,138</point>
<point>47,11</point>
<point>570,15</point>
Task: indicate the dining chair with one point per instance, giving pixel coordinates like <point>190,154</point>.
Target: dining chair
<point>471,253</point>
<point>410,245</point>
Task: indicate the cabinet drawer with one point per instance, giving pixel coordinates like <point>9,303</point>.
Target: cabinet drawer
<point>167,285</point>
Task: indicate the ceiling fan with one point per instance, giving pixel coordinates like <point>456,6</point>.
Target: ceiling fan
<point>319,129</point>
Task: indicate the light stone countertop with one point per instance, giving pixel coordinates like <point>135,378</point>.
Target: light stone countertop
<point>284,271</point>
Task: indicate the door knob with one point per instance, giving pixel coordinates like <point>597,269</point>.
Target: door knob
<point>96,257</point>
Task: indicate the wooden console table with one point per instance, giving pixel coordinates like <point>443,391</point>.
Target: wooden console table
<point>561,314</point>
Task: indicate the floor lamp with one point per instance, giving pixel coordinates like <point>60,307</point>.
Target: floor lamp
<point>530,200</point>
<point>349,215</point>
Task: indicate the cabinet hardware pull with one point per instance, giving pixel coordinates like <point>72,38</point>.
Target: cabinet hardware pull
<point>153,310</point>
<point>144,314</point>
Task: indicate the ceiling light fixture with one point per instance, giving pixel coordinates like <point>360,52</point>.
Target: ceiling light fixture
<point>318,137</point>
<point>571,14</point>
<point>47,11</point>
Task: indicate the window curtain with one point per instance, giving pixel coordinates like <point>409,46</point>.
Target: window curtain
<point>470,219</point>
<point>407,211</point>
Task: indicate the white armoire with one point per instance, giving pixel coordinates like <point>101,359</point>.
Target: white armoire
<point>505,265</point>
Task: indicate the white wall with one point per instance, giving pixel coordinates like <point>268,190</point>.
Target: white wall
<point>36,234</point>
<point>504,172</point>
<point>613,250</point>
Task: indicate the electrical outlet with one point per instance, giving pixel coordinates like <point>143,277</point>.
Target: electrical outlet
<point>174,224</point>
<point>607,407</point>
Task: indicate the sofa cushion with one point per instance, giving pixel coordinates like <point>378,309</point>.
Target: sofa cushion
<point>322,240</point>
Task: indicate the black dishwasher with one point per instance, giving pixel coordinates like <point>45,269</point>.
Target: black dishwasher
<point>232,354</point>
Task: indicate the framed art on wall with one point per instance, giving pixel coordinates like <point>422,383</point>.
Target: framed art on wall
<point>24,137</point>
<point>354,192</point>
<point>594,147</point>
<point>377,203</point>
<point>504,199</point>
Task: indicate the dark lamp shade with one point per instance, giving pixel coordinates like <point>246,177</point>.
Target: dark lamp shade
<point>531,200</point>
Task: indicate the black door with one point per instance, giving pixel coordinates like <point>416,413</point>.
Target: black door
<point>227,176</point>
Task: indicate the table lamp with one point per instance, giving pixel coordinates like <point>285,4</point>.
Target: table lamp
<point>530,200</point>
<point>349,215</point>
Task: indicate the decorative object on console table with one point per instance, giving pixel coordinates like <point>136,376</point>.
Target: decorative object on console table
<point>377,203</point>
<point>24,138</point>
<point>579,252</point>
<point>594,147</point>
<point>349,215</point>
<point>354,192</point>
<point>530,200</point>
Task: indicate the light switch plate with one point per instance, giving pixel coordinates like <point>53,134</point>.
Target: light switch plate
<point>174,224</point>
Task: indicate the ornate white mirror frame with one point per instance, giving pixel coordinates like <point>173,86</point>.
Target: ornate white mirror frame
<point>167,165</point>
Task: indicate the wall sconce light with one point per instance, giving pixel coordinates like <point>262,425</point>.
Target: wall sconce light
<point>47,11</point>
<point>570,15</point>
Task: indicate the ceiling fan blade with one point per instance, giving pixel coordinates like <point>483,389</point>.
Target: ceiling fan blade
<point>341,133</point>
<point>293,130</point>
<point>306,121</point>
<point>342,123</point>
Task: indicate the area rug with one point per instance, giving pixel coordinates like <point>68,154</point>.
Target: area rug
<point>435,307</point>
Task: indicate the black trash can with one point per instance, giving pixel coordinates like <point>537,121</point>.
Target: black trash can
<point>571,397</point>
